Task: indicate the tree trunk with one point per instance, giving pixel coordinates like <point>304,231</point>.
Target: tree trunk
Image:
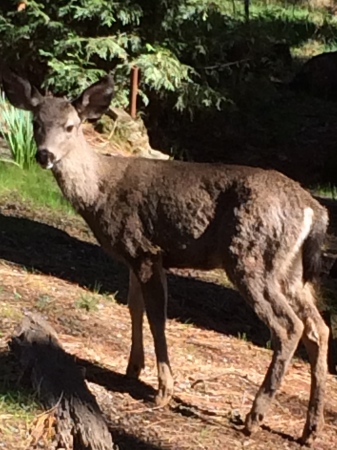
<point>61,387</point>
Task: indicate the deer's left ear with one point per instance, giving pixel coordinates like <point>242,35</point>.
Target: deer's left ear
<point>95,100</point>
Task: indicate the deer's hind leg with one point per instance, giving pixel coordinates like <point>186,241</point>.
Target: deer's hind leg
<point>265,296</point>
<point>286,330</point>
<point>315,338</point>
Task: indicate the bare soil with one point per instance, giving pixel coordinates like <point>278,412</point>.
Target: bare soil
<point>51,264</point>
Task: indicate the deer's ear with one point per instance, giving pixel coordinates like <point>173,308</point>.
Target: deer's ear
<point>95,100</point>
<point>19,91</point>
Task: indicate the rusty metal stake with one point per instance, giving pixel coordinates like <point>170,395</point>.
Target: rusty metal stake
<point>134,91</point>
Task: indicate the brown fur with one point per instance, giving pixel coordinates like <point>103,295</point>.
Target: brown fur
<point>153,215</point>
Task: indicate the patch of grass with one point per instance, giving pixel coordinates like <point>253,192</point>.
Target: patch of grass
<point>17,295</point>
<point>34,185</point>
<point>325,190</point>
<point>109,297</point>
<point>97,287</point>
<point>18,410</point>
<point>87,301</point>
<point>43,302</point>
<point>242,336</point>
<point>31,270</point>
<point>307,30</point>
<point>18,404</point>
<point>97,290</point>
<point>205,434</point>
<point>8,311</point>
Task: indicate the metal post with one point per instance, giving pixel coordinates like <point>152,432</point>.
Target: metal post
<point>134,91</point>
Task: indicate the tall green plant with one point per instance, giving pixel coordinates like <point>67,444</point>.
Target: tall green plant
<point>17,130</point>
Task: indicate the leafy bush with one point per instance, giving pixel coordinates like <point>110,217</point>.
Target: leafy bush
<point>197,58</point>
<point>17,130</point>
<point>68,44</point>
<point>184,48</point>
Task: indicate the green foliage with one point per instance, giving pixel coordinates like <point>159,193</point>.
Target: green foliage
<point>74,42</point>
<point>16,403</point>
<point>69,44</point>
<point>194,55</point>
<point>88,302</point>
<point>17,130</point>
<point>36,186</point>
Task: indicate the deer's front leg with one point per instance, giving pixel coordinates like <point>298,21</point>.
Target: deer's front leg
<point>155,299</point>
<point>136,308</point>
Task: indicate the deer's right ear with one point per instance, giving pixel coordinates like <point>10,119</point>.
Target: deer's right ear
<point>19,92</point>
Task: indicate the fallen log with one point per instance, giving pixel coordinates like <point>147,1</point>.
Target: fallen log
<point>60,385</point>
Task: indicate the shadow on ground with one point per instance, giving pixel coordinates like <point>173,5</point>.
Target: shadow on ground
<point>49,250</point>
<point>12,382</point>
<point>116,382</point>
<point>46,249</point>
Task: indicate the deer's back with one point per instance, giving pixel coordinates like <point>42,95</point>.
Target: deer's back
<point>190,212</point>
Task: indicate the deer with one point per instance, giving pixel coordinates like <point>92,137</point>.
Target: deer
<point>259,226</point>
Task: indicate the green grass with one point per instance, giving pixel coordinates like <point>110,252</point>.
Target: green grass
<point>37,186</point>
<point>43,303</point>
<point>308,30</point>
<point>87,301</point>
<point>326,191</point>
<point>18,404</point>
<point>18,409</point>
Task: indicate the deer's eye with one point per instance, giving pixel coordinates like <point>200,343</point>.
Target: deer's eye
<point>69,128</point>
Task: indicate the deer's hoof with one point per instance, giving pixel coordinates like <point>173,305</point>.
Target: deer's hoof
<point>163,397</point>
<point>309,434</point>
<point>252,423</point>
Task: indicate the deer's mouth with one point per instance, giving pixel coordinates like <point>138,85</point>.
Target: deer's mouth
<point>45,158</point>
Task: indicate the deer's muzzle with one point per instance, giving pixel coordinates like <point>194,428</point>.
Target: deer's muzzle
<point>45,158</point>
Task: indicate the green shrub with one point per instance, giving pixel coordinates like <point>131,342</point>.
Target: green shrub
<point>196,57</point>
<point>68,44</point>
<point>184,48</point>
<point>17,130</point>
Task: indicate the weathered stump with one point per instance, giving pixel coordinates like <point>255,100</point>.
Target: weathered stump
<point>61,387</point>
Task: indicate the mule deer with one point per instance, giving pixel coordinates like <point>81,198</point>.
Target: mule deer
<point>258,225</point>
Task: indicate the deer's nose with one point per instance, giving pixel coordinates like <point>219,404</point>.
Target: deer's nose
<point>44,157</point>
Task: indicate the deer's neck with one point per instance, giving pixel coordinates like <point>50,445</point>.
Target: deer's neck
<point>79,175</point>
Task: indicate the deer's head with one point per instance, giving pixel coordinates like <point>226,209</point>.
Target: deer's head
<point>57,121</point>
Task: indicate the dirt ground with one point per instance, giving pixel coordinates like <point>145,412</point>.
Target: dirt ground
<point>51,264</point>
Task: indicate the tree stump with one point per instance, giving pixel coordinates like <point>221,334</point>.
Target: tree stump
<point>60,384</point>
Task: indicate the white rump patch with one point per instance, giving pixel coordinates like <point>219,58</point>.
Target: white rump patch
<point>306,226</point>
<point>307,222</point>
